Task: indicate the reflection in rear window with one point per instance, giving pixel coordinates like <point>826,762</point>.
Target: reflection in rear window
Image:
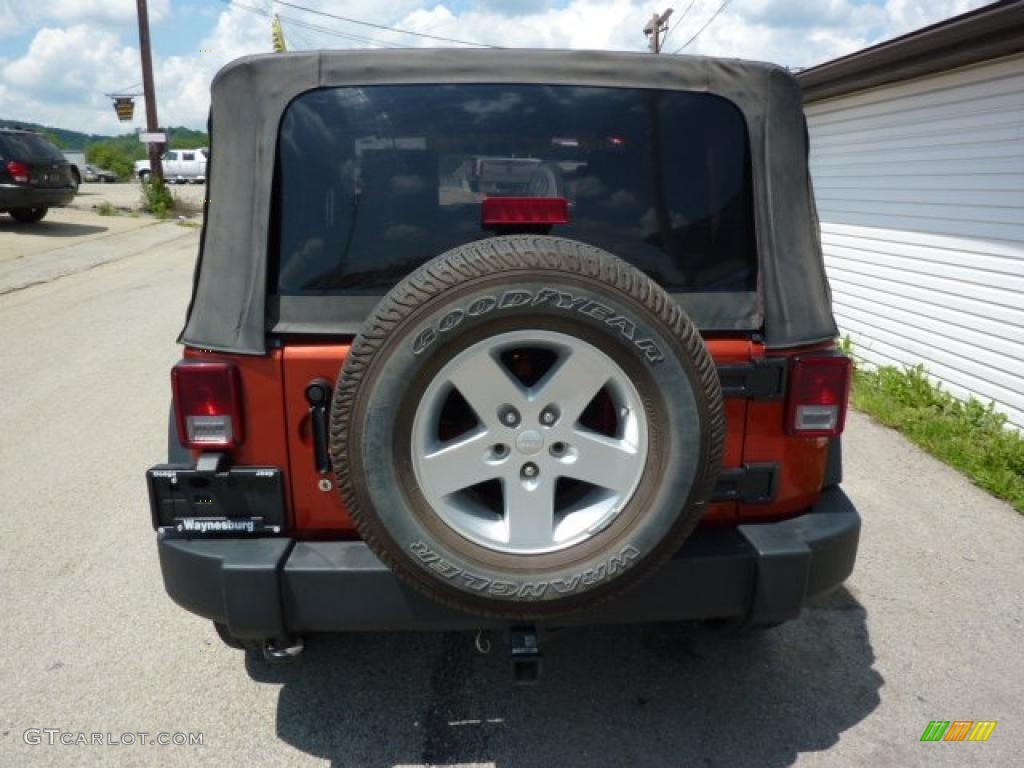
<point>25,146</point>
<point>374,181</point>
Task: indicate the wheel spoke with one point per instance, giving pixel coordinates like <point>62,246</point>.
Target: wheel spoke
<point>486,386</point>
<point>529,512</point>
<point>458,465</point>
<point>527,438</point>
<point>606,462</point>
<point>574,382</point>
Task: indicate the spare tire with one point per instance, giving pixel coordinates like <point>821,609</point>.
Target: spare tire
<point>526,426</point>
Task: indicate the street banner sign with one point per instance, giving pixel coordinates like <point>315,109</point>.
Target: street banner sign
<point>124,106</point>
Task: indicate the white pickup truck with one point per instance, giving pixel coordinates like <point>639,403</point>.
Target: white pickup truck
<point>180,165</point>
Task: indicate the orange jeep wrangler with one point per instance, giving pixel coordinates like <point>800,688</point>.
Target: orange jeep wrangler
<point>485,339</point>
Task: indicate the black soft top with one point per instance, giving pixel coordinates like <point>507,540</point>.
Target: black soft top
<point>228,310</point>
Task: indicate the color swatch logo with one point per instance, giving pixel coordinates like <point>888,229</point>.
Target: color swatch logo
<point>958,730</point>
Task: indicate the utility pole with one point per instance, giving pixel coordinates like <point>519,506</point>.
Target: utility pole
<point>156,168</point>
<point>655,29</point>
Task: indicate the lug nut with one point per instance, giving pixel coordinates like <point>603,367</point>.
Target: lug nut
<point>557,449</point>
<point>530,470</point>
<point>549,416</point>
<point>510,417</point>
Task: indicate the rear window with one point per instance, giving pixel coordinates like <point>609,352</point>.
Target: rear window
<point>28,147</point>
<point>374,181</point>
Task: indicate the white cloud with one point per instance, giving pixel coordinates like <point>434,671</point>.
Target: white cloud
<point>62,77</point>
<point>83,51</point>
<point>16,16</point>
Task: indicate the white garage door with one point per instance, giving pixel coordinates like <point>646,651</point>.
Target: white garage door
<point>920,188</point>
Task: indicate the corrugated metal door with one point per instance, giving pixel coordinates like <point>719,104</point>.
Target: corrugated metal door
<point>920,189</point>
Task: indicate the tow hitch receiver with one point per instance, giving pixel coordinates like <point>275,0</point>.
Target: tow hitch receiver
<point>526,657</point>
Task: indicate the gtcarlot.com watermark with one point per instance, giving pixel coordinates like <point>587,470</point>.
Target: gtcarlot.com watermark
<point>59,737</point>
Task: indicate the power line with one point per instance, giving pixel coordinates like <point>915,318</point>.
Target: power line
<point>293,22</point>
<point>681,17</point>
<point>305,25</point>
<point>383,26</point>
<point>707,24</point>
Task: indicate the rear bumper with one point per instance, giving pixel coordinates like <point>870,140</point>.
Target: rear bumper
<point>268,587</point>
<point>19,196</point>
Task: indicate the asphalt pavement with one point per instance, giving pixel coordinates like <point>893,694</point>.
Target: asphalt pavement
<point>927,628</point>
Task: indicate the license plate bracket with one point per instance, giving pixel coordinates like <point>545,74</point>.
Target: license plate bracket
<point>236,501</point>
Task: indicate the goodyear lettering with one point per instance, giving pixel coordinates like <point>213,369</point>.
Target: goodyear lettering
<point>650,349</point>
<point>545,296</point>
<point>515,299</point>
<point>451,320</point>
<point>624,325</point>
<point>482,306</point>
<point>520,298</point>
<point>570,302</point>
<point>596,311</point>
<point>423,339</point>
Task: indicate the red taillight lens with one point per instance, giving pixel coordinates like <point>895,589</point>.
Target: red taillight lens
<point>818,391</point>
<point>509,211</point>
<point>208,404</point>
<point>19,171</point>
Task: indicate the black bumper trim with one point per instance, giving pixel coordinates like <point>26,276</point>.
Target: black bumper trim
<point>749,484</point>
<point>232,581</point>
<point>761,379</point>
<point>14,196</point>
<point>268,587</point>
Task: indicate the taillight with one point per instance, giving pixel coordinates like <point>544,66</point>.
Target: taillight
<point>818,390</point>
<point>208,404</point>
<point>509,211</point>
<point>19,171</point>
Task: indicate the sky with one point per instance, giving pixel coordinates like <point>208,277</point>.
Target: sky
<point>58,58</point>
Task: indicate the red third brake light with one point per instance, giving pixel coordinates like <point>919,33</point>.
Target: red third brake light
<point>19,171</point>
<point>208,404</point>
<point>818,390</point>
<point>509,211</point>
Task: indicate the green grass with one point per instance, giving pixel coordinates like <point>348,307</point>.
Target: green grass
<point>969,435</point>
<point>157,198</point>
<point>107,208</point>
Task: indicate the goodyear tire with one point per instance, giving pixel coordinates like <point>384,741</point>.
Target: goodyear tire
<point>526,426</point>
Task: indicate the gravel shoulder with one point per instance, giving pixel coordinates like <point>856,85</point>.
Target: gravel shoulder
<point>127,196</point>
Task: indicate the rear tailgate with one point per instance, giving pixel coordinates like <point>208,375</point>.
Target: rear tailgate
<point>317,507</point>
<point>766,473</point>
<point>50,175</point>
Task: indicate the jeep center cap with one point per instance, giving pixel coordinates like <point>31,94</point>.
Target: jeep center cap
<point>529,442</point>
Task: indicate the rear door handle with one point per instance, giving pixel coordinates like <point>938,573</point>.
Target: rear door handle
<point>318,395</point>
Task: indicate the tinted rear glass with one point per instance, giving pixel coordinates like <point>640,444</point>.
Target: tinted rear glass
<point>25,146</point>
<point>374,181</point>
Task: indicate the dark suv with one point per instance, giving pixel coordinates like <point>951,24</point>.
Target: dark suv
<point>34,176</point>
<point>501,339</point>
